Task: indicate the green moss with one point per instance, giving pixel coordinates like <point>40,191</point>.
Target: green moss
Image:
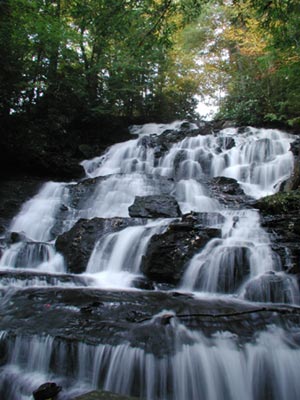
<point>279,203</point>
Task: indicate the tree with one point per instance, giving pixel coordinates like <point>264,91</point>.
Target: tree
<point>110,57</point>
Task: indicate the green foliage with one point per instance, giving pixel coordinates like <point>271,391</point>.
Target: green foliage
<point>282,202</point>
<point>112,57</point>
<point>265,63</point>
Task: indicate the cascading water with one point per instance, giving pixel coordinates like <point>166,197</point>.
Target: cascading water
<point>241,254</point>
<point>118,255</point>
<point>162,357</point>
<point>37,216</point>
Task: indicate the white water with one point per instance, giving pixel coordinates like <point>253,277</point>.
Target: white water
<point>114,195</point>
<point>211,369</point>
<point>158,129</point>
<point>34,256</point>
<point>244,248</point>
<point>261,161</point>
<point>258,158</point>
<point>116,258</point>
<point>241,263</point>
<point>37,216</point>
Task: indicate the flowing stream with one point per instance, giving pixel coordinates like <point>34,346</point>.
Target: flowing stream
<point>161,357</point>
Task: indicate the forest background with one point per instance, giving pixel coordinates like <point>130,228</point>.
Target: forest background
<point>75,73</point>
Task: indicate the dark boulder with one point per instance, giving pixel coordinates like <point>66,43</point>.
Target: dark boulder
<point>47,391</point>
<point>15,237</point>
<point>156,206</point>
<point>225,142</point>
<point>77,244</point>
<point>169,252</point>
<point>228,185</point>
<point>228,192</point>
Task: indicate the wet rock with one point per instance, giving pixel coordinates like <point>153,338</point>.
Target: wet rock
<point>83,190</point>
<point>96,317</point>
<point>228,192</point>
<point>179,158</point>
<point>15,237</point>
<point>156,206</point>
<point>142,283</point>
<point>293,183</point>
<point>167,254</point>
<point>228,124</point>
<point>284,230</point>
<point>204,219</point>
<point>295,147</point>
<point>225,142</point>
<point>77,244</point>
<point>162,143</point>
<point>234,269</point>
<point>280,216</point>
<point>47,391</point>
<point>103,395</point>
<point>271,287</point>
<point>228,185</point>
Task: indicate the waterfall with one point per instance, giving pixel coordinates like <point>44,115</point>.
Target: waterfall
<point>116,257</point>
<point>37,216</point>
<point>210,369</point>
<point>69,330</point>
<point>242,253</point>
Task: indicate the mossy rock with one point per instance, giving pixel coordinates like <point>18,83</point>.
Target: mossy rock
<point>103,395</point>
<point>280,203</point>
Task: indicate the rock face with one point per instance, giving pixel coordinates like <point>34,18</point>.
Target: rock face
<point>77,244</point>
<point>95,316</point>
<point>168,253</point>
<point>281,218</point>
<point>228,192</point>
<point>157,206</point>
